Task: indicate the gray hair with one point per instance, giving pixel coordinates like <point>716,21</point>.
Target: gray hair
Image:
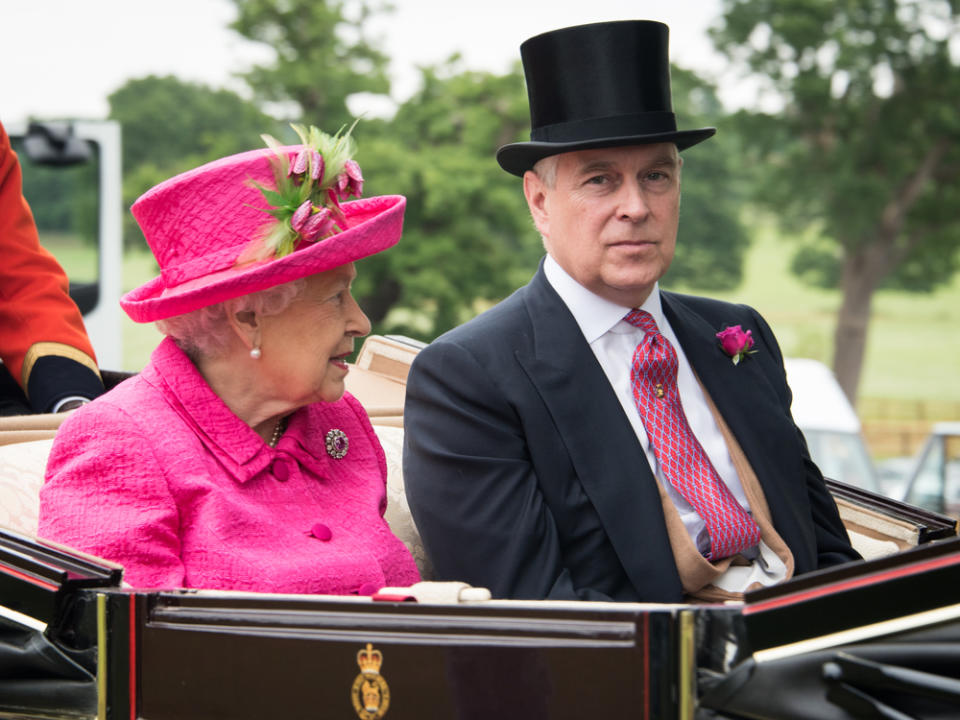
<point>546,170</point>
<point>205,332</point>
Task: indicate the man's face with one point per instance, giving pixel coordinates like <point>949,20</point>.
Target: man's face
<point>610,218</point>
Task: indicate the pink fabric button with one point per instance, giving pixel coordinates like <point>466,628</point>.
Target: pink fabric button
<point>368,589</point>
<point>321,532</point>
<point>280,470</point>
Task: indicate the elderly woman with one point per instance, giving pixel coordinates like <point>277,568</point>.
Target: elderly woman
<point>236,460</point>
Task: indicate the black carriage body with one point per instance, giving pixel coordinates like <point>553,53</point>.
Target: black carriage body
<point>77,644</point>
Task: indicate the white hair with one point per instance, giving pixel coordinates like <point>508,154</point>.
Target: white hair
<point>205,332</point>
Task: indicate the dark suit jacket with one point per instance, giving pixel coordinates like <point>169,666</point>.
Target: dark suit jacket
<point>524,475</point>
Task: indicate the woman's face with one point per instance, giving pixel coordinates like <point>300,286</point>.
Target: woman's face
<point>306,346</point>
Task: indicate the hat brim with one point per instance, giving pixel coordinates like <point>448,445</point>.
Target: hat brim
<point>517,158</point>
<point>374,224</point>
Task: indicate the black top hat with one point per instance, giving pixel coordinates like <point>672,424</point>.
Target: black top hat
<point>597,85</point>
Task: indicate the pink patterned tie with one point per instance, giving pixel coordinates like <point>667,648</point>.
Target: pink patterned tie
<point>653,380</point>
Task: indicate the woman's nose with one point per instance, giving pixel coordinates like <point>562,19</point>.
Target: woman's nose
<point>358,324</point>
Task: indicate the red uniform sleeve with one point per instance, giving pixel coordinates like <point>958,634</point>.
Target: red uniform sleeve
<point>38,319</point>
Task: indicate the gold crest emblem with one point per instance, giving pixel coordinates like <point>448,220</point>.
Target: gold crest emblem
<point>370,692</point>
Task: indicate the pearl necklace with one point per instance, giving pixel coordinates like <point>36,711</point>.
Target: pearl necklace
<point>277,432</point>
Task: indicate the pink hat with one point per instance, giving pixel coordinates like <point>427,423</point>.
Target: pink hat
<point>216,236</point>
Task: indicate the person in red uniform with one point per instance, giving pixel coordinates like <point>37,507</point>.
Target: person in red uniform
<point>48,361</point>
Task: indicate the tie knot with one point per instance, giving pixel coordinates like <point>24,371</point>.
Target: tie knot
<point>643,320</point>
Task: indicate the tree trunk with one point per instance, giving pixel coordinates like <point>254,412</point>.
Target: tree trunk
<point>866,267</point>
<point>859,280</point>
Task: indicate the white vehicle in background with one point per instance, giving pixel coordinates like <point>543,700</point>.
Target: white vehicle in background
<point>829,424</point>
<point>80,160</point>
<point>934,482</point>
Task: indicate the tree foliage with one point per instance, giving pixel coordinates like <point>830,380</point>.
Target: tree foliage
<point>867,148</point>
<point>169,126</point>
<point>468,240</point>
<point>322,54</point>
<point>62,199</point>
<point>712,241</point>
<point>166,120</point>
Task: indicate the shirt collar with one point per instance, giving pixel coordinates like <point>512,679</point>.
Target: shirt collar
<point>596,315</point>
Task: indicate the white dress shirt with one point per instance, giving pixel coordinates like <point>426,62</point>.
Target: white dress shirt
<point>613,342</point>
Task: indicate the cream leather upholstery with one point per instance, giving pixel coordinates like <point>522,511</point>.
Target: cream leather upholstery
<point>21,476</point>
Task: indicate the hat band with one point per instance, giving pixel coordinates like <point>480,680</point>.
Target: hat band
<point>646,123</point>
<point>199,266</point>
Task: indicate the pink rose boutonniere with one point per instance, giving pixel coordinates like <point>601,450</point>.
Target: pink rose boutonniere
<point>736,343</point>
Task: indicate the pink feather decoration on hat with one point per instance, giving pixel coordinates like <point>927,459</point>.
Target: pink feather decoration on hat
<point>308,185</point>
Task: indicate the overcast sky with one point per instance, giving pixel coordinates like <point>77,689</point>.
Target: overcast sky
<point>62,58</point>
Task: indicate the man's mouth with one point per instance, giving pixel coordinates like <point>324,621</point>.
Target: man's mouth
<point>633,243</point>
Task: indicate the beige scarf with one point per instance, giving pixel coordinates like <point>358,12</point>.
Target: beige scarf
<point>696,572</point>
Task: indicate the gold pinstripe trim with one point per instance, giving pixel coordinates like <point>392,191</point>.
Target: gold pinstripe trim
<point>101,656</point>
<point>687,675</point>
<point>44,349</point>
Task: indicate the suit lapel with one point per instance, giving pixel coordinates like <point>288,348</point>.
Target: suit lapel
<point>742,394</point>
<point>722,379</point>
<point>604,450</point>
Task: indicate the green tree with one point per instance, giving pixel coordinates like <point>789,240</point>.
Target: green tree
<point>165,120</point>
<point>867,147</point>
<point>468,240</point>
<point>711,242</point>
<point>170,125</point>
<point>63,199</point>
<point>322,55</point>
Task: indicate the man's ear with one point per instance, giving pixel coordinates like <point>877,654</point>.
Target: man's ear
<point>246,324</point>
<point>536,193</point>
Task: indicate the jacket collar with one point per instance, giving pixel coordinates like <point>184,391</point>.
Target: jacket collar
<point>236,445</point>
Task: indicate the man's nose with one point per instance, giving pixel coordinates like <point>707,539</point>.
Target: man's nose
<point>633,202</point>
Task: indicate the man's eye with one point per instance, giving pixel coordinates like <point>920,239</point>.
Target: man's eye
<point>597,180</point>
<point>657,176</point>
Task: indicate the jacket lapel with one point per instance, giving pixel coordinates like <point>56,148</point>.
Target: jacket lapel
<point>604,450</point>
<point>742,394</point>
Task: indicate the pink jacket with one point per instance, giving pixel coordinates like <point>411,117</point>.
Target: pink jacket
<point>161,477</point>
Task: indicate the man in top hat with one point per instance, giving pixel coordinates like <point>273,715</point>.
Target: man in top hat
<point>593,436</point>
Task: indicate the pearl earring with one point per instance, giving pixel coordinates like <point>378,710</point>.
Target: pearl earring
<point>255,353</point>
